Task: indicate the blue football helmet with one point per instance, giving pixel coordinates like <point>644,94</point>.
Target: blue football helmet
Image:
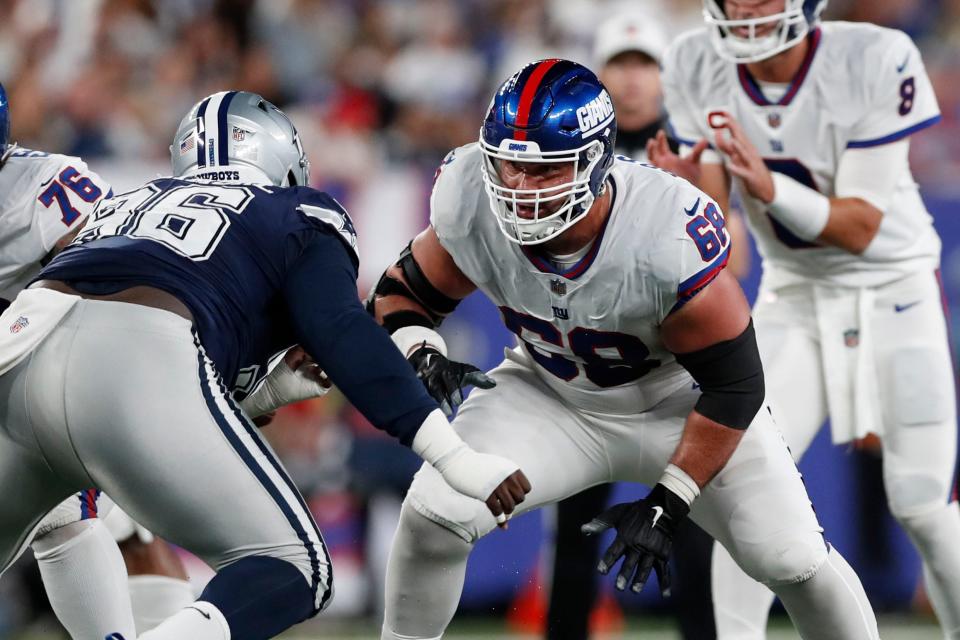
<point>790,27</point>
<point>4,121</point>
<point>551,111</point>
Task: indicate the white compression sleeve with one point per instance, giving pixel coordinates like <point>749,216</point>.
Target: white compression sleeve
<point>872,173</point>
<point>85,579</point>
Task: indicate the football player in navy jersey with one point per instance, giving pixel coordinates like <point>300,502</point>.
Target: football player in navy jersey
<point>116,364</point>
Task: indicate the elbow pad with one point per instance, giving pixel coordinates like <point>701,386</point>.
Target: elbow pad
<point>730,376</point>
<point>417,288</point>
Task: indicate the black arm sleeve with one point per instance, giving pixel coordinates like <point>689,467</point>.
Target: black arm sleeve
<point>730,376</point>
<point>355,352</point>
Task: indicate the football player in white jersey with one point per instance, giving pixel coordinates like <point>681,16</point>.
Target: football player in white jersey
<point>611,274</point>
<point>813,121</point>
<point>46,198</point>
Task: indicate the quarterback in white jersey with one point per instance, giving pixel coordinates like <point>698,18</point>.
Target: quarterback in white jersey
<point>611,274</point>
<point>813,122</point>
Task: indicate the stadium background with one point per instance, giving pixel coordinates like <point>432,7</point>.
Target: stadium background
<point>380,90</point>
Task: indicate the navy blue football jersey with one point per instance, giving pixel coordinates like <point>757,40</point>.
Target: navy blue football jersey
<point>261,268</point>
<point>223,250</point>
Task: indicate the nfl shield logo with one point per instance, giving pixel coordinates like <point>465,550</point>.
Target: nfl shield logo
<point>239,134</point>
<point>19,324</point>
<point>558,287</point>
<point>773,119</point>
<point>851,338</point>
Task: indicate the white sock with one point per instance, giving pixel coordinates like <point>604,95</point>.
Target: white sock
<point>198,621</point>
<point>156,598</point>
<point>935,536</point>
<point>741,605</point>
<point>831,605</point>
<point>86,580</point>
<point>425,575</point>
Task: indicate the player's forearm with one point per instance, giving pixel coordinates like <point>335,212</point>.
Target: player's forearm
<point>852,225</point>
<point>705,447</point>
<point>847,223</point>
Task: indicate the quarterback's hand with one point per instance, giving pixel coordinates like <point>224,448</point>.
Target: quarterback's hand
<point>295,378</point>
<point>743,159</point>
<point>659,153</point>
<point>644,536</point>
<point>445,378</point>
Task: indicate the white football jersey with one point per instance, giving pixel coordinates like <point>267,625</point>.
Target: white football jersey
<point>43,197</point>
<point>860,86</point>
<point>593,330</point>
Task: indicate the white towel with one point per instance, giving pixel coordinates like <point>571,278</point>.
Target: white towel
<point>846,346</point>
<point>28,320</point>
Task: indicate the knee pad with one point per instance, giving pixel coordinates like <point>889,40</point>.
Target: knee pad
<point>431,537</point>
<point>914,494</point>
<point>433,499</point>
<point>51,541</point>
<point>785,559</point>
<point>85,505</point>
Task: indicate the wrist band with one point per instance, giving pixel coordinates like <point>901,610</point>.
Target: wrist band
<point>411,337</point>
<point>802,210</point>
<point>679,482</point>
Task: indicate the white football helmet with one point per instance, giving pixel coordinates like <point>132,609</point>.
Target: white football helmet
<point>790,27</point>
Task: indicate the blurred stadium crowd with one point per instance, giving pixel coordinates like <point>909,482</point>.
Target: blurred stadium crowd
<point>380,90</point>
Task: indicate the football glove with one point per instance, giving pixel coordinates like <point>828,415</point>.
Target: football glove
<point>645,532</point>
<point>445,378</point>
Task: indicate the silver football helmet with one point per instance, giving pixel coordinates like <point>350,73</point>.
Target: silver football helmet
<point>237,135</point>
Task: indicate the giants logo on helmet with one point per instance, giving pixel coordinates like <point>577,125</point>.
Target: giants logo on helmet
<point>595,115</point>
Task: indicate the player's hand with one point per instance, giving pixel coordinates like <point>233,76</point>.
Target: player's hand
<point>743,159</point>
<point>645,532</point>
<point>445,378</point>
<point>688,168</point>
<point>505,498</point>
<point>296,378</point>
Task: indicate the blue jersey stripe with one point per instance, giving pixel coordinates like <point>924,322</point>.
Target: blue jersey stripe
<point>893,137</point>
<point>202,134</point>
<point>222,128</point>
<point>252,431</point>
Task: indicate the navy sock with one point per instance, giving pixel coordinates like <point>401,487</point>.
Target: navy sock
<point>260,597</point>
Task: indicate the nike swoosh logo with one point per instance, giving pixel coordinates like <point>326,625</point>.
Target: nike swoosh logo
<point>903,65</point>
<point>900,308</point>
<point>657,512</point>
<point>201,612</point>
<point>693,210</point>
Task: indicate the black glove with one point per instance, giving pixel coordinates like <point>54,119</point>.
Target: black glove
<point>445,379</point>
<point>644,534</point>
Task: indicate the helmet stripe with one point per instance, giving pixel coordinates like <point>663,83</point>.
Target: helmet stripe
<point>529,91</point>
<point>201,134</point>
<point>222,155</point>
<point>211,126</point>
